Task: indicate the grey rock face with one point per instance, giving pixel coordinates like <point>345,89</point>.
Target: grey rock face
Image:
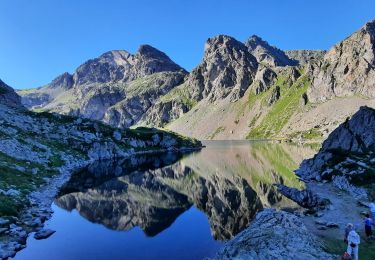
<point>227,69</point>
<point>122,66</point>
<point>354,135</point>
<point>305,56</point>
<point>110,66</point>
<point>274,235</point>
<point>275,95</point>
<point>64,81</point>
<point>264,78</point>
<point>116,87</point>
<point>139,98</point>
<point>35,100</point>
<point>164,112</point>
<point>149,60</point>
<point>8,97</point>
<point>348,68</point>
<point>267,54</point>
<point>304,198</point>
<point>101,83</point>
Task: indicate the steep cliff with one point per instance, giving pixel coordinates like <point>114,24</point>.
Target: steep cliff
<point>348,68</point>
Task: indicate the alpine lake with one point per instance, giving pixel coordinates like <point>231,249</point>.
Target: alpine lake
<point>168,206</point>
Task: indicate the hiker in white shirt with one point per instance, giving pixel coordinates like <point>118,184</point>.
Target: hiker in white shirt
<point>353,243</point>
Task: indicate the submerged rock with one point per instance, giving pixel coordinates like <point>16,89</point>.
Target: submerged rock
<point>43,234</point>
<point>274,235</point>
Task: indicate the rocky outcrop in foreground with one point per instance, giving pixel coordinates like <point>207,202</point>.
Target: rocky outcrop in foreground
<point>274,235</point>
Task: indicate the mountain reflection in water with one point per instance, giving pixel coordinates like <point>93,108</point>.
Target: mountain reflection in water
<point>230,185</point>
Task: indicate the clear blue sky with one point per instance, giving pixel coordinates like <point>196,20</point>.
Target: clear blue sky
<point>40,39</point>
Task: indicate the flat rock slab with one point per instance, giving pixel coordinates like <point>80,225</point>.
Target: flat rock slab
<point>43,234</point>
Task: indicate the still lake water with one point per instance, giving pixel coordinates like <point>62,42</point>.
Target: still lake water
<point>167,206</point>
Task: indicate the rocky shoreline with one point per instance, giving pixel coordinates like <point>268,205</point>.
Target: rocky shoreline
<point>32,219</point>
<point>301,233</point>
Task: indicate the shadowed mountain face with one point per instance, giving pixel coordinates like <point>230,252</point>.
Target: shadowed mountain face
<point>8,96</point>
<point>228,185</point>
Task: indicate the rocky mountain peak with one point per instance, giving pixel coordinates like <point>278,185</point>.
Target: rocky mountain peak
<point>8,97</point>
<point>121,66</point>
<point>149,60</point>
<point>227,69</point>
<point>254,41</point>
<point>268,54</point>
<point>148,51</point>
<point>370,27</point>
<point>64,81</point>
<point>348,68</point>
<point>222,42</point>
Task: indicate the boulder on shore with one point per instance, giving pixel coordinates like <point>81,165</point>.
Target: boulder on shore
<point>274,235</point>
<point>304,198</point>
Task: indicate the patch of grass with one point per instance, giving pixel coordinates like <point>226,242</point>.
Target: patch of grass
<point>10,206</point>
<point>56,161</point>
<point>22,181</point>
<point>311,134</point>
<point>282,110</point>
<point>180,94</point>
<point>216,132</point>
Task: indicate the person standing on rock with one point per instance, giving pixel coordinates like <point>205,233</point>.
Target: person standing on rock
<point>353,244</point>
<point>368,226</point>
<point>348,228</point>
